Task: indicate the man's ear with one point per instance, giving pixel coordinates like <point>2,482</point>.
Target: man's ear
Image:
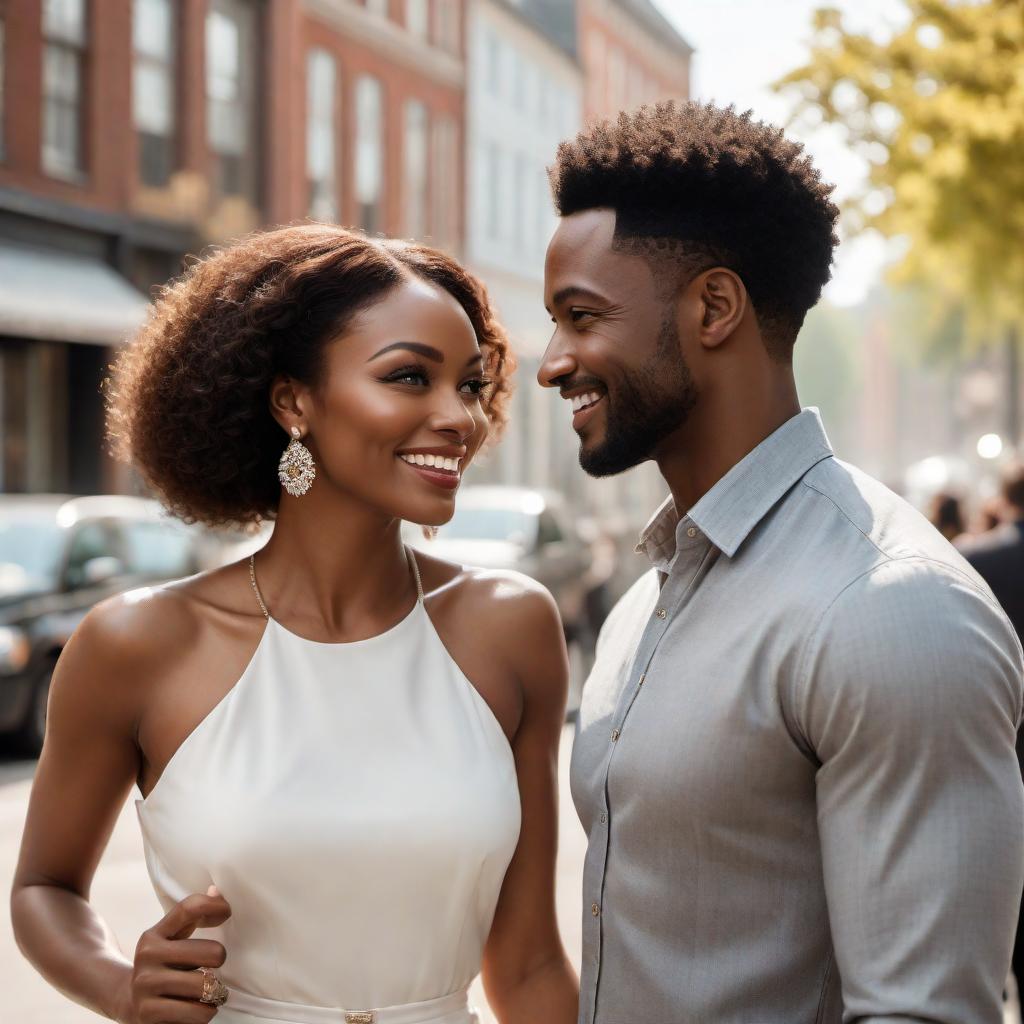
<point>723,302</point>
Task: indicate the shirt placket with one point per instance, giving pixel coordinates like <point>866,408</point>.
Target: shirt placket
<point>676,589</point>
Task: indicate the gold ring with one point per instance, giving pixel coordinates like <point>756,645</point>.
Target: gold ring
<point>215,992</point>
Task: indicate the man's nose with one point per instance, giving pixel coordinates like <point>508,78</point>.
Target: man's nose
<point>558,362</point>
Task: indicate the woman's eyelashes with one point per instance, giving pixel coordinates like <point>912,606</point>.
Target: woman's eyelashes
<point>419,377</point>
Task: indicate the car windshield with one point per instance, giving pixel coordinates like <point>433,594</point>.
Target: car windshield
<point>507,524</point>
<point>29,555</point>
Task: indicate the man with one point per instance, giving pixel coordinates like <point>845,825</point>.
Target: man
<point>795,759</point>
<point>998,556</point>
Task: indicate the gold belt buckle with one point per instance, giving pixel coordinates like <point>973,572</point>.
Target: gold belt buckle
<point>360,1017</point>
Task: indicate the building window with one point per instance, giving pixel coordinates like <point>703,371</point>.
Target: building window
<point>369,153</point>
<point>1,85</point>
<point>321,134</point>
<point>231,60</point>
<point>617,99</point>
<point>521,198</point>
<point>493,191</point>
<point>415,160</point>
<point>417,17</point>
<point>493,64</point>
<point>597,72</point>
<point>154,40</point>
<point>518,77</point>
<point>446,25</point>
<point>65,32</point>
<point>445,173</point>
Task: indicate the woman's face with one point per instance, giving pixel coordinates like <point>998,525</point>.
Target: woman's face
<point>398,412</point>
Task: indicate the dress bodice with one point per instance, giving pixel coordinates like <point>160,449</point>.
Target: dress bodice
<point>357,806</point>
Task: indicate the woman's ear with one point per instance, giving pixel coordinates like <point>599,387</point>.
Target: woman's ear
<point>723,300</point>
<point>287,401</point>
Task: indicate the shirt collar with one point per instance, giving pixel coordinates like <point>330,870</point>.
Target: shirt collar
<point>728,513</point>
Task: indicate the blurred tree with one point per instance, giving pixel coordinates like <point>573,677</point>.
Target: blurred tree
<point>937,109</point>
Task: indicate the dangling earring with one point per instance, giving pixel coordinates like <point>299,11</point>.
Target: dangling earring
<point>430,532</point>
<point>296,470</point>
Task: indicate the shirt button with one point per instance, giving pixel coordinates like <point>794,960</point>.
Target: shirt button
<point>615,735</point>
<point>691,532</point>
<point>661,613</point>
<point>604,817</point>
<point>595,909</point>
<point>640,681</point>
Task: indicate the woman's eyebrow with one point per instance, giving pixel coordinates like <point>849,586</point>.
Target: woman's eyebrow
<point>427,351</point>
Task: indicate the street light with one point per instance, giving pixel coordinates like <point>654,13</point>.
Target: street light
<point>990,446</point>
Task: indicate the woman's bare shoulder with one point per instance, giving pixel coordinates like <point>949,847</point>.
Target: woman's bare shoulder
<point>516,614</point>
<point>491,591</point>
<point>151,624</point>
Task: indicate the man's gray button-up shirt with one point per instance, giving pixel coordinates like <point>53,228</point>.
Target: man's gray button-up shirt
<point>795,763</point>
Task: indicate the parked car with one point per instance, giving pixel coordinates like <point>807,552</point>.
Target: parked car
<point>531,531</point>
<point>58,557</point>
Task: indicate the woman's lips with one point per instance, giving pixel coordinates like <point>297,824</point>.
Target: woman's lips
<point>439,477</point>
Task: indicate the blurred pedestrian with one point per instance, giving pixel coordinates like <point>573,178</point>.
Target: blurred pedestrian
<point>795,756</point>
<point>327,796</point>
<point>987,516</point>
<point>946,515</point>
<point>998,556</point>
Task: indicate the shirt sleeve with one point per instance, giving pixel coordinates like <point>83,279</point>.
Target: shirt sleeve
<point>910,697</point>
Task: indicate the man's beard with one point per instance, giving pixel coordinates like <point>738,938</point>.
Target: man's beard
<point>649,405</point>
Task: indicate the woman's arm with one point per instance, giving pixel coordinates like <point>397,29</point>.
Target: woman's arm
<point>526,973</point>
<point>89,762</point>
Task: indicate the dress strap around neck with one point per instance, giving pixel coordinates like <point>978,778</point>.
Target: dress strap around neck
<point>255,588</point>
<point>411,555</point>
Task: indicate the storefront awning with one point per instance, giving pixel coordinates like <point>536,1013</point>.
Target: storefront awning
<point>59,296</point>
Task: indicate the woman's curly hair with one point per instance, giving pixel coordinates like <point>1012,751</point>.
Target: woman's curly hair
<point>728,190</point>
<point>187,400</point>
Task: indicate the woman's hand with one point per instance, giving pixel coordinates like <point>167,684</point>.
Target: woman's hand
<point>165,983</point>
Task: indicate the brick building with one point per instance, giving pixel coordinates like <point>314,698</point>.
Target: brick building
<point>134,132</point>
<point>632,55</point>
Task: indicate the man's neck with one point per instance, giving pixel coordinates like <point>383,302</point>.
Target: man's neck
<point>718,436</point>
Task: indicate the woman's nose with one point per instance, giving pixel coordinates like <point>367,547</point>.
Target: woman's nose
<point>455,417</point>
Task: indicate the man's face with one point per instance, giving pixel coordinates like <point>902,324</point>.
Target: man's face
<point>616,352</point>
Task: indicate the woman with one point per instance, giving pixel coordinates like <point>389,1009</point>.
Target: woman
<point>347,754</point>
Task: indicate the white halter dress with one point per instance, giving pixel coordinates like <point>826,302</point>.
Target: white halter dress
<point>357,805</point>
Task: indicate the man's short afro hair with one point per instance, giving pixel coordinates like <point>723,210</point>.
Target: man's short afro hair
<point>730,191</point>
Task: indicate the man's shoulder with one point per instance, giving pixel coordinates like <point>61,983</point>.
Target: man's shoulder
<point>863,525</point>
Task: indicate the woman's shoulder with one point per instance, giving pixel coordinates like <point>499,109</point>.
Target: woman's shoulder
<point>502,594</point>
<point>513,616</point>
<point>151,623</point>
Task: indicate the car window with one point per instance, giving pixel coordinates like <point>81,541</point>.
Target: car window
<point>90,540</point>
<point>157,549</point>
<point>548,530</point>
<point>504,524</point>
<point>30,554</point>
